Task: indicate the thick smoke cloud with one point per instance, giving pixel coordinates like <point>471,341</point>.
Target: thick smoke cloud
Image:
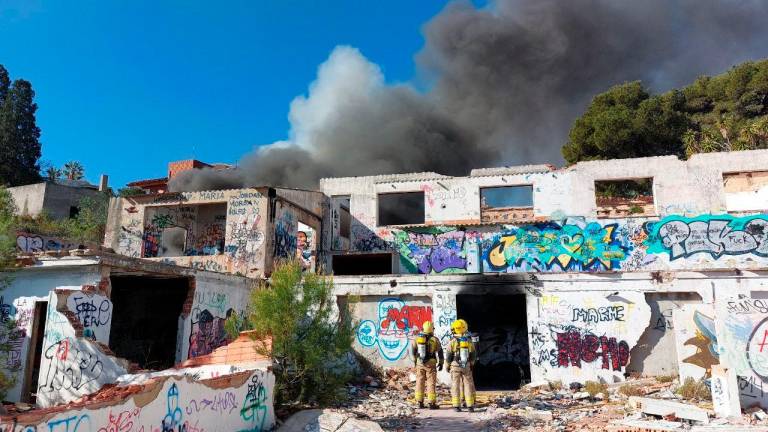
<point>506,82</point>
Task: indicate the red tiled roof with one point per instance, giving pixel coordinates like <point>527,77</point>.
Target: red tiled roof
<point>148,182</point>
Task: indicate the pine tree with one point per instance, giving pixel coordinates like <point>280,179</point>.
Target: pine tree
<point>19,134</point>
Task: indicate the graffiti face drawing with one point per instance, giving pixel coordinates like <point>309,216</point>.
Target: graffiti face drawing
<point>392,340</point>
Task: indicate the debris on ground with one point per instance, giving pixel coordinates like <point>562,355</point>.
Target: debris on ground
<point>386,403</point>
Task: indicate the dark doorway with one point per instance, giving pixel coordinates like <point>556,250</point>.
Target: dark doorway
<point>145,319</point>
<point>32,369</point>
<point>500,322</point>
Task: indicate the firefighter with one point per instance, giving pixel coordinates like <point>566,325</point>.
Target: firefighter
<point>427,354</point>
<point>461,358</point>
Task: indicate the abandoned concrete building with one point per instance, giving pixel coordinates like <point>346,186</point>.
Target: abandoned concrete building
<point>560,276</point>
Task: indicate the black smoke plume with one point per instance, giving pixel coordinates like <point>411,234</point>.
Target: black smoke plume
<point>505,83</point>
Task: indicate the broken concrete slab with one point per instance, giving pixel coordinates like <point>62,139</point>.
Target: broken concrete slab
<point>665,408</point>
<point>319,420</point>
<point>725,392</point>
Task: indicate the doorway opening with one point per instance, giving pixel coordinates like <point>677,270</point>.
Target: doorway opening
<point>32,369</point>
<point>145,319</point>
<point>500,322</point>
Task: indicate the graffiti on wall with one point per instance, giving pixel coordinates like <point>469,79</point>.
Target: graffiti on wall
<point>714,235</point>
<point>207,332</point>
<point>742,342</point>
<point>94,312</point>
<point>585,336</point>
<point>432,250</point>
<point>285,236</point>
<point>29,243</point>
<point>396,323</point>
<point>178,405</point>
<point>69,367</point>
<point>551,246</point>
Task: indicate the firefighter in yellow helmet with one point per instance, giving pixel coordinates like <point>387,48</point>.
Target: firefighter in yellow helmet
<point>461,357</point>
<point>427,354</point>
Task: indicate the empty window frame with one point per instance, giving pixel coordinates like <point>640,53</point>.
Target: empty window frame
<point>624,198</point>
<point>405,208</point>
<point>341,222</point>
<point>362,264</point>
<point>746,191</point>
<point>506,203</point>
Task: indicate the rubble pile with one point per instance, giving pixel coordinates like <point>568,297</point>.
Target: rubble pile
<point>636,405</point>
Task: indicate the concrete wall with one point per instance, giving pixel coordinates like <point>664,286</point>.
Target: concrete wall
<point>75,362</point>
<point>216,298</point>
<point>632,310</point>
<point>54,198</point>
<point>693,188</point>
<point>388,325</point>
<point>235,402</point>
<point>27,287</point>
<point>251,230</point>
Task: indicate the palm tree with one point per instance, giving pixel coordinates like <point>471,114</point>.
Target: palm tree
<point>73,170</point>
<point>52,173</point>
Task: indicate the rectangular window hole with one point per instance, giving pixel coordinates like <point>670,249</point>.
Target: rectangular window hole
<point>506,203</point>
<point>401,208</point>
<point>624,198</point>
<point>362,264</point>
<point>341,222</point>
<point>746,191</point>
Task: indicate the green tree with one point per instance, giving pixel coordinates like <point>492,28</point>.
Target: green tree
<point>90,223</point>
<point>73,170</point>
<point>721,113</point>
<point>130,191</point>
<point>19,134</point>
<point>309,335</point>
<point>52,173</point>
<point>626,122</point>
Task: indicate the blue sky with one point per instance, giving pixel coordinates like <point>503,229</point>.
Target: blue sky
<point>126,86</point>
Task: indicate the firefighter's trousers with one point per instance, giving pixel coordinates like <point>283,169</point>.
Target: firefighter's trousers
<point>461,379</point>
<point>426,374</point>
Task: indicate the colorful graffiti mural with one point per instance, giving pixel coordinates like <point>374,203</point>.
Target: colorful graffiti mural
<point>715,235</point>
<point>396,323</point>
<point>432,250</point>
<point>551,246</point>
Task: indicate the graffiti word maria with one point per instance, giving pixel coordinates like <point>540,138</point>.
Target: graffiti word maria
<point>600,314</point>
<point>573,348</point>
<point>718,235</point>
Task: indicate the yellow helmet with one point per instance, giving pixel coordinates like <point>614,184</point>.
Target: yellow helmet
<point>427,327</point>
<point>459,326</point>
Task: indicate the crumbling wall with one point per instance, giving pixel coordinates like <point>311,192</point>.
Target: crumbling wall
<point>387,326</point>
<point>234,245</point>
<point>76,362</point>
<point>584,336</point>
<point>237,402</point>
<point>27,287</point>
<point>742,337</point>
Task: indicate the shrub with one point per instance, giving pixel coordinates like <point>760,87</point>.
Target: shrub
<point>310,336</point>
<point>692,389</point>
<point>594,388</point>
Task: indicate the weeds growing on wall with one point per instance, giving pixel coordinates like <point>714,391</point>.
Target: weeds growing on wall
<point>87,226</point>
<point>310,335</point>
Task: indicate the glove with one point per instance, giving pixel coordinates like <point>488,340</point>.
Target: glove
<point>439,366</point>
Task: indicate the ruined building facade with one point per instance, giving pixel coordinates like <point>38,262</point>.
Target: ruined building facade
<point>560,280</point>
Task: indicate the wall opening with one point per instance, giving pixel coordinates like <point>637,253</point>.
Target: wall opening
<point>306,247</point>
<point>187,230</point>
<point>362,264</point>
<point>745,191</point>
<point>145,319</point>
<point>654,353</point>
<point>405,208</point>
<point>506,203</point>
<point>342,222</point>
<point>35,353</point>
<point>500,321</point>
<point>624,198</point>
